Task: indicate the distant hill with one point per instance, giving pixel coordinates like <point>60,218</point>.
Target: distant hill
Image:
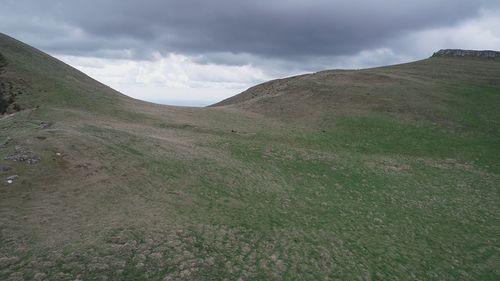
<point>413,90</point>
<point>388,173</point>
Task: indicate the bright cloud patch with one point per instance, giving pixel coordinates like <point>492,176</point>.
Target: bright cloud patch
<point>481,33</point>
<point>173,79</point>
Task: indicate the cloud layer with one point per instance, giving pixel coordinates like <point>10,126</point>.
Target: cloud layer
<point>230,44</point>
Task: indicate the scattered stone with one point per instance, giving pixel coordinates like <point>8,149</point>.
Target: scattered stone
<point>33,161</point>
<point>58,153</point>
<point>45,125</point>
<point>13,177</point>
<point>23,155</point>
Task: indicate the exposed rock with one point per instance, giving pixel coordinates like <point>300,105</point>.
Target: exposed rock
<point>466,53</point>
<point>44,125</point>
<point>23,155</point>
<point>14,177</point>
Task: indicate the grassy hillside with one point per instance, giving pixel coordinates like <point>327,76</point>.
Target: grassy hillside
<point>380,174</point>
<point>420,91</point>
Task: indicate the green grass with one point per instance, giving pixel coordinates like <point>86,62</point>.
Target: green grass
<point>402,185</point>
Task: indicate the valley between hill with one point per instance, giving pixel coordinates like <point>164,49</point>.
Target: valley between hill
<point>389,173</point>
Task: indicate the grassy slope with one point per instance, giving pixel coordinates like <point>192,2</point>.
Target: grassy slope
<point>418,91</point>
<point>400,185</point>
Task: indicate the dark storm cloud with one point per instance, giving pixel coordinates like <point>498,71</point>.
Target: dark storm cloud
<point>270,29</point>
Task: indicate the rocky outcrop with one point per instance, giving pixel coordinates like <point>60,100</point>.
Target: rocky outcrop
<point>466,53</point>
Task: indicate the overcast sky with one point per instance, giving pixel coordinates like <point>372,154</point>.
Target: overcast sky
<point>197,52</point>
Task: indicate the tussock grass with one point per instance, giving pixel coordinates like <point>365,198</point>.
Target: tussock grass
<point>400,184</point>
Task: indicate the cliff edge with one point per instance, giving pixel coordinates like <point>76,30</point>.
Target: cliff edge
<point>466,53</point>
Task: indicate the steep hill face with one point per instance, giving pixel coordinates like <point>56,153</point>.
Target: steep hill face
<point>419,90</point>
<point>30,78</point>
<point>387,173</point>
